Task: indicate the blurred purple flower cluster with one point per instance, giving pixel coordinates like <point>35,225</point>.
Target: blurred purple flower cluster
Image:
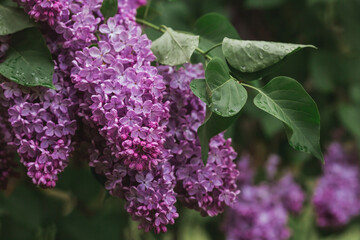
<point>261,211</point>
<point>337,196</point>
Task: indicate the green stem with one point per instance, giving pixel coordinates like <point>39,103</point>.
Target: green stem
<point>213,47</point>
<point>147,9</point>
<point>150,25</point>
<point>205,55</point>
<point>163,30</point>
<point>97,36</point>
<point>250,86</point>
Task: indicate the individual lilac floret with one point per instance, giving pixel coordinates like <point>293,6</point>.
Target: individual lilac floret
<point>149,194</point>
<point>7,152</point>
<point>261,211</point>
<point>337,196</point>
<point>209,188</point>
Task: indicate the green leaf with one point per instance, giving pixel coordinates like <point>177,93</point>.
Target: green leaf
<point>198,87</point>
<point>174,48</point>
<point>212,29</point>
<point>13,20</point>
<point>254,56</point>
<point>213,125</point>
<point>287,100</point>
<point>28,61</point>
<point>109,8</point>
<point>227,96</point>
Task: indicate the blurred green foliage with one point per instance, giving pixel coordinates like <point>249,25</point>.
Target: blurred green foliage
<point>79,208</point>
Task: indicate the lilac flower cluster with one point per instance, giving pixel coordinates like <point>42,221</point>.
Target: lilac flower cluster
<point>123,93</point>
<point>42,124</point>
<point>337,196</point>
<point>7,152</point>
<point>261,211</point>
<point>149,194</point>
<point>205,188</point>
<point>43,120</point>
<point>43,10</point>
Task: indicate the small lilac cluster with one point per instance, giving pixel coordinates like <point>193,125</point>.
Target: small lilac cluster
<point>261,211</point>
<point>204,188</point>
<point>337,196</point>
<point>42,124</point>
<point>43,120</point>
<point>7,152</point>
<point>43,10</point>
<point>123,93</point>
<point>149,194</point>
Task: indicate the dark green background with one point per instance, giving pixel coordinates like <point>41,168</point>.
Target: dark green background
<point>79,208</point>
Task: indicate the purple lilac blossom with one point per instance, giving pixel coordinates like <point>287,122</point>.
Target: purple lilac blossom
<point>204,188</point>
<point>44,10</point>
<point>43,125</point>
<point>42,119</point>
<point>149,194</point>
<point>337,196</point>
<point>123,93</point>
<point>122,103</point>
<point>261,211</point>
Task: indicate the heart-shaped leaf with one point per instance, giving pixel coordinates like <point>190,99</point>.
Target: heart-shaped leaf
<point>227,96</point>
<point>13,20</point>
<point>174,48</point>
<point>28,61</point>
<point>287,100</point>
<point>254,56</point>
